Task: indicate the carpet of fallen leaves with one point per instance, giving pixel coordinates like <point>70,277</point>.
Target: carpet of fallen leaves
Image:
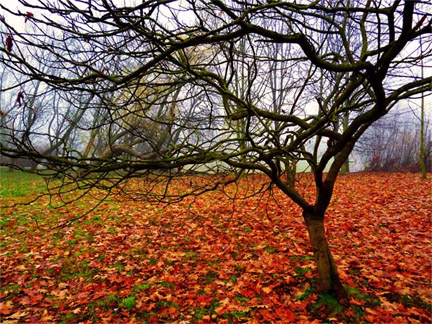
<point>216,261</point>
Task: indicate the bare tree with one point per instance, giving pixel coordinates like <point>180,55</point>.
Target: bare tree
<point>393,144</point>
<point>236,118</point>
<point>422,149</point>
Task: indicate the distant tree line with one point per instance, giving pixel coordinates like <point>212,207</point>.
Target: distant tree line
<point>392,144</point>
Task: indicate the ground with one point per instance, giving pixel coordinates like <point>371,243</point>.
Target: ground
<point>216,260</point>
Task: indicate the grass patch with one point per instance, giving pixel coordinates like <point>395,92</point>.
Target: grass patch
<point>408,301</point>
<point>327,306</point>
<point>301,257</point>
<point>200,312</point>
<point>235,316</point>
<point>370,301</point>
<point>167,284</point>
<point>191,256</point>
<point>20,184</point>
<point>306,294</point>
<point>152,261</point>
<point>119,267</point>
<point>13,289</point>
<point>128,303</point>
<point>242,299</point>
<point>300,272</point>
<point>209,277</point>
<point>141,287</point>
<point>71,269</point>
<point>270,249</point>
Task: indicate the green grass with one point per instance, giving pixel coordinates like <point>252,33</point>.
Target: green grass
<point>270,249</point>
<point>192,256</point>
<point>242,299</point>
<point>72,269</point>
<point>128,303</point>
<point>330,303</point>
<point>235,316</point>
<point>306,294</point>
<point>200,312</point>
<point>167,284</point>
<point>408,301</point>
<point>141,287</point>
<point>370,301</point>
<point>301,257</point>
<point>209,277</point>
<point>20,184</point>
<point>300,272</point>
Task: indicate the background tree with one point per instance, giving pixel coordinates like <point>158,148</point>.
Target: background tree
<point>392,144</point>
<point>225,109</point>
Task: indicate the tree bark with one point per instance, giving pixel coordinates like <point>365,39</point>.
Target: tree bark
<point>329,281</point>
<point>345,167</point>
<point>422,123</point>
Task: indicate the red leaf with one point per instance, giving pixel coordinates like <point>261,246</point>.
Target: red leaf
<point>6,307</point>
<point>285,314</point>
<point>9,43</point>
<point>28,16</point>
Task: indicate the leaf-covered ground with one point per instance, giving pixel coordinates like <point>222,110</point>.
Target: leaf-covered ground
<point>215,261</point>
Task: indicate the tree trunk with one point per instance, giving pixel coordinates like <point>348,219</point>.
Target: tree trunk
<point>329,281</point>
<point>422,123</point>
<point>345,167</point>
